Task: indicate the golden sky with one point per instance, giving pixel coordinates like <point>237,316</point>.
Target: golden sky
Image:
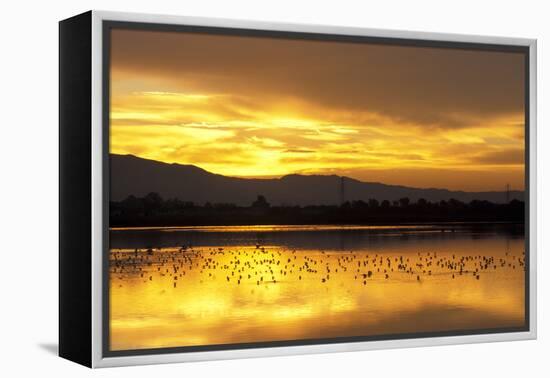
<point>259,107</point>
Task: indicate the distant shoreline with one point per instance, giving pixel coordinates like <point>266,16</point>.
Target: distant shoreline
<point>153,211</point>
<point>227,220</point>
<point>430,226</point>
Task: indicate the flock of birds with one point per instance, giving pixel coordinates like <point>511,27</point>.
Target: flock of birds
<point>259,265</point>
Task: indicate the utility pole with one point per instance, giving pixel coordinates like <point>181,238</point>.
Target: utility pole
<point>507,193</point>
<point>342,190</point>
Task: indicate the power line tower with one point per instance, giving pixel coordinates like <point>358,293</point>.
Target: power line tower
<point>507,193</point>
<point>342,190</point>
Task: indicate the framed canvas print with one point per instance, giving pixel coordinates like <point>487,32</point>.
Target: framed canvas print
<point>234,189</point>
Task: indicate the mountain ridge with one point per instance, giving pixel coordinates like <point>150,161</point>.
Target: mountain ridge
<point>133,175</point>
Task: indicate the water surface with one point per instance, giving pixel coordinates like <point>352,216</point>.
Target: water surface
<point>191,286</point>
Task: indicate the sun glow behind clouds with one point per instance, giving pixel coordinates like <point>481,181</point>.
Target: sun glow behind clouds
<point>207,117</point>
<point>166,129</point>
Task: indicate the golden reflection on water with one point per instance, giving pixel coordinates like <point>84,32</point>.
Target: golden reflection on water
<point>281,228</point>
<point>218,295</point>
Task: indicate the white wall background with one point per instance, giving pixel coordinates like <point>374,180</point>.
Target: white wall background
<point>28,185</point>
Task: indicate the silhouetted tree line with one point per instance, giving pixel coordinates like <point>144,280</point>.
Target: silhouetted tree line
<point>153,210</point>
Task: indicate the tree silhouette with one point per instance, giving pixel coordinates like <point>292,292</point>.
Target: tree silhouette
<point>260,202</point>
<point>153,199</point>
<point>373,203</point>
<point>152,203</point>
<point>404,202</point>
<point>153,210</point>
<point>422,203</point>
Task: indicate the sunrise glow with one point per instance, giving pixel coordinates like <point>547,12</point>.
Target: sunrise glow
<point>239,121</point>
